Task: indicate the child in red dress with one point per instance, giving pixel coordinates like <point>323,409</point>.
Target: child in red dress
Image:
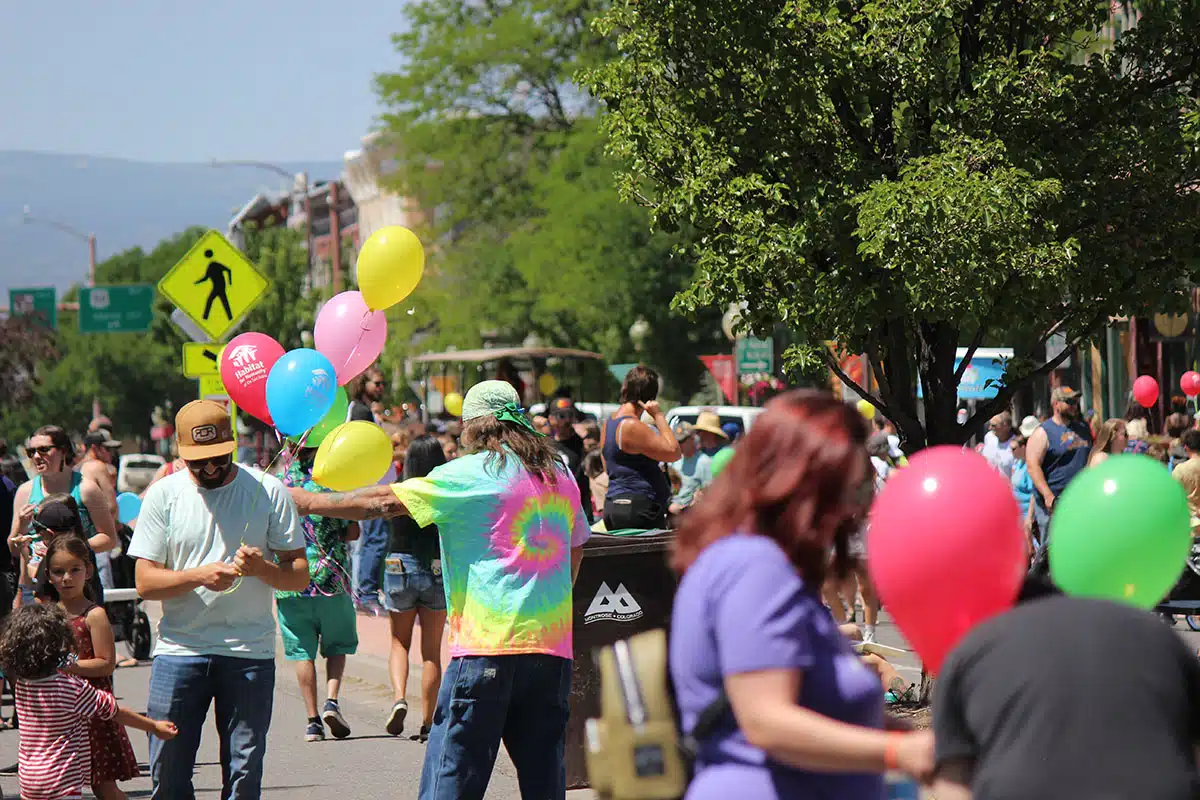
<point>69,571</point>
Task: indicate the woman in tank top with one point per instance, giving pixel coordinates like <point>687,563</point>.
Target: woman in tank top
<point>51,454</point>
<point>638,490</point>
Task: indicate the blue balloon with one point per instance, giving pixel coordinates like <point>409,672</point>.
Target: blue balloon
<point>300,390</point>
<point>129,505</point>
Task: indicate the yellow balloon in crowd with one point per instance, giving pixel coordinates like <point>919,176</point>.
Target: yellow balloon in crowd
<point>866,409</point>
<point>353,455</point>
<point>453,404</point>
<point>547,383</point>
<point>390,265</point>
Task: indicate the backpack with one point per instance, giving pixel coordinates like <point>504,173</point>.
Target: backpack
<point>636,750</point>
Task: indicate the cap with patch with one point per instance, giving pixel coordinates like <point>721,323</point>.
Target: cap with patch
<point>562,407</point>
<point>100,438</point>
<point>1062,394</point>
<point>203,430</point>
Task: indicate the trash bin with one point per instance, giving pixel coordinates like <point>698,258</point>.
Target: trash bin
<point>625,586</point>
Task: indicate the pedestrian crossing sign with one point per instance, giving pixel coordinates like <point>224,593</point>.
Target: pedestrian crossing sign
<point>215,285</point>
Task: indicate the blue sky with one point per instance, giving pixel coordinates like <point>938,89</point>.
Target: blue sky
<point>169,81</point>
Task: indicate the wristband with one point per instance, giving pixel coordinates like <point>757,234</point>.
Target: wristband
<point>890,761</point>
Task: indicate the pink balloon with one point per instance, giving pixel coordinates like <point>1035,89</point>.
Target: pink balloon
<point>245,364</point>
<point>1189,382</point>
<point>349,334</point>
<point>1145,391</point>
<point>945,548</point>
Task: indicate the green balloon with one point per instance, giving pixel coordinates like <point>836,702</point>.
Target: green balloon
<point>335,417</point>
<point>1121,531</point>
<point>720,460</point>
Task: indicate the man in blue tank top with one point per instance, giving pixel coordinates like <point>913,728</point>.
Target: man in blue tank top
<point>1056,453</point>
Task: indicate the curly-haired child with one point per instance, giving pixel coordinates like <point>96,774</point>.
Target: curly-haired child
<point>56,708</point>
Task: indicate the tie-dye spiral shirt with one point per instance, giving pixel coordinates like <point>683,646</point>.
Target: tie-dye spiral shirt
<point>506,543</point>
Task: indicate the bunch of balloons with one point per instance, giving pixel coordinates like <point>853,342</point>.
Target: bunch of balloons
<point>946,549</point>
<point>299,392</point>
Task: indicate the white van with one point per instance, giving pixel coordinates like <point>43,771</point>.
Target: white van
<point>742,416</point>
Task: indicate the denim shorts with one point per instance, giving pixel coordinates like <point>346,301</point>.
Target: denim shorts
<point>408,585</point>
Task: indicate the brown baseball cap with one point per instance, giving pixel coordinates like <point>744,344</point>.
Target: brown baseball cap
<point>204,431</point>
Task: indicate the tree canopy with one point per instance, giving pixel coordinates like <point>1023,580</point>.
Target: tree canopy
<point>530,234</point>
<point>911,176</point>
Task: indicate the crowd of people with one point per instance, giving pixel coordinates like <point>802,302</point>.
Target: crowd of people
<point>476,534</point>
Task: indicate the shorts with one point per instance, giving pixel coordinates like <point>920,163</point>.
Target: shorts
<point>407,584</point>
<point>856,544</point>
<point>305,621</point>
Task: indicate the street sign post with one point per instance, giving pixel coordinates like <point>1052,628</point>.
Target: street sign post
<point>200,360</point>
<point>32,303</point>
<point>755,355</point>
<point>215,285</point>
<point>116,309</point>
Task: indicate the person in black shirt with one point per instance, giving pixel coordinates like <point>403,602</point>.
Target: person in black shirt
<point>1068,697</point>
<point>568,442</point>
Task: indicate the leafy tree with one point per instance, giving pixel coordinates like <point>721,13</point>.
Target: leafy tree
<point>531,236</point>
<point>911,176</point>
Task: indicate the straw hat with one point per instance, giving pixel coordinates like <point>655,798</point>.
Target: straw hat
<point>709,422</point>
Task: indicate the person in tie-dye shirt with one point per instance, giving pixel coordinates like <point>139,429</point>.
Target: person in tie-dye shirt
<point>512,532</point>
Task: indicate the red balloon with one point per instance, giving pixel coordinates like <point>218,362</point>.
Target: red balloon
<point>1189,382</point>
<point>245,364</point>
<point>1145,391</point>
<point>945,549</point>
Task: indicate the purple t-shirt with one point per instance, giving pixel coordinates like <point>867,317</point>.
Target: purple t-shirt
<point>742,607</point>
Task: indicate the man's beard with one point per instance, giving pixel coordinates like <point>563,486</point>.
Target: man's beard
<point>215,481</point>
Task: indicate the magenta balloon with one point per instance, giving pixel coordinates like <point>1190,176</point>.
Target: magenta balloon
<point>945,548</point>
<point>1145,391</point>
<point>349,334</point>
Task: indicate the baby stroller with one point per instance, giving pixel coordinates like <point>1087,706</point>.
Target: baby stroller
<point>129,622</point>
<point>1185,597</point>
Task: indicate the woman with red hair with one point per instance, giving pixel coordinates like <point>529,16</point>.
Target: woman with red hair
<point>749,627</point>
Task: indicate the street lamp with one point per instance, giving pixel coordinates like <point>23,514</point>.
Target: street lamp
<point>62,227</point>
<point>299,184</point>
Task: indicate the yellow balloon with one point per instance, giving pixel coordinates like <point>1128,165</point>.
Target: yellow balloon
<point>390,265</point>
<point>547,383</point>
<point>453,404</point>
<point>353,455</point>
<point>866,409</point>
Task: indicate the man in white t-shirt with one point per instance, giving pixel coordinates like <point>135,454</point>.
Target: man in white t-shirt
<point>213,543</point>
<point>997,443</point>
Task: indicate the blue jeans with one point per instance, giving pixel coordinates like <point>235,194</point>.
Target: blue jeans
<point>372,548</point>
<point>181,689</point>
<point>520,700</point>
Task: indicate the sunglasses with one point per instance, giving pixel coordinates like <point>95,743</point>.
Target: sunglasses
<point>198,464</point>
<point>41,451</point>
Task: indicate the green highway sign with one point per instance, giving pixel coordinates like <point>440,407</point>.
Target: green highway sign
<point>35,303</point>
<point>755,355</point>
<point>116,309</point>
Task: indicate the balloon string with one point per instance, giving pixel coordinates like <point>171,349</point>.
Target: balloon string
<point>254,506</point>
<point>362,332</point>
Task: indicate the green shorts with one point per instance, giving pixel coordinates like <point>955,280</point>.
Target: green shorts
<point>303,621</point>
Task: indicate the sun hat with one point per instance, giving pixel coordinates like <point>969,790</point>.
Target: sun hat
<point>1029,425</point>
<point>709,422</point>
<point>496,399</point>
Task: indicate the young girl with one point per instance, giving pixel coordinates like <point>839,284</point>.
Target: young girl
<point>56,708</point>
<point>57,514</point>
<point>70,569</point>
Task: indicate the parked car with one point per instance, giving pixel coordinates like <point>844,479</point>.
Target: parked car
<point>742,416</point>
<point>136,470</point>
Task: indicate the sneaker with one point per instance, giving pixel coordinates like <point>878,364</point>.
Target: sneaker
<point>332,716</point>
<point>423,736</point>
<point>315,732</point>
<point>395,722</point>
<point>868,634</point>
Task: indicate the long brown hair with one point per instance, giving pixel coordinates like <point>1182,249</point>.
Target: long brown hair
<point>794,478</point>
<point>1107,431</point>
<point>503,439</point>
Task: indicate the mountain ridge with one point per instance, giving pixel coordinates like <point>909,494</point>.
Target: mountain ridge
<point>126,203</point>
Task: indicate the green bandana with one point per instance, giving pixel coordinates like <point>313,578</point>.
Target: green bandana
<point>511,412</point>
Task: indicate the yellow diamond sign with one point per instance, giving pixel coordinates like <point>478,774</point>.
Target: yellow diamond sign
<point>201,359</point>
<point>215,285</point>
